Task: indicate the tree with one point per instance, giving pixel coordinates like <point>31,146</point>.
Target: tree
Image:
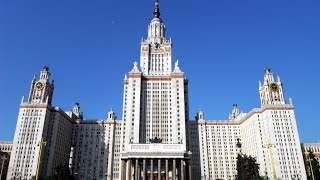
<point>313,167</point>
<point>61,172</point>
<point>247,168</point>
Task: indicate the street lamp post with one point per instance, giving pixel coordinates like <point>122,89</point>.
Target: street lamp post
<point>238,145</point>
<point>189,165</point>
<point>266,175</point>
<point>269,146</point>
<point>41,143</point>
<point>311,169</point>
<point>108,176</point>
<point>4,158</point>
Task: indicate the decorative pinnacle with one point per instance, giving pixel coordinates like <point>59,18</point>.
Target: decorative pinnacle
<point>156,12</point>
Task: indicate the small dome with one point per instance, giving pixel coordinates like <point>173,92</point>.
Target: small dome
<point>156,20</point>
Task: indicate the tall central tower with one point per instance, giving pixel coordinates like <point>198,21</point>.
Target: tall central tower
<point>156,49</point>
<point>155,110</point>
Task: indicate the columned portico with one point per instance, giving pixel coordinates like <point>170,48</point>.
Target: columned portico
<point>167,169</point>
<point>128,171</point>
<point>151,169</point>
<point>159,168</point>
<point>147,169</point>
<point>155,162</point>
<point>144,169</point>
<point>182,164</point>
<point>136,170</point>
<point>174,169</point>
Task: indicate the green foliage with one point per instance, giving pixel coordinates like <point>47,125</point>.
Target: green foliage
<point>312,162</point>
<point>247,168</point>
<point>60,173</point>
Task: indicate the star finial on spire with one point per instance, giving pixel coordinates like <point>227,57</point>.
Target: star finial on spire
<point>156,12</point>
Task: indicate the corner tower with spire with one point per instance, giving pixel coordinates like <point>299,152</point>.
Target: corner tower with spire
<point>41,90</point>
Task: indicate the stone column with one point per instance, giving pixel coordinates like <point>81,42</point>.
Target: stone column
<point>174,169</point>
<point>190,170</point>
<point>136,170</point>
<point>139,170</point>
<point>128,176</point>
<point>159,169</point>
<point>151,169</point>
<point>144,170</point>
<point>123,170</point>
<point>167,169</point>
<point>182,169</point>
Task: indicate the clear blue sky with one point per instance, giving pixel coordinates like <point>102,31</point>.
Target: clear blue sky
<point>223,47</point>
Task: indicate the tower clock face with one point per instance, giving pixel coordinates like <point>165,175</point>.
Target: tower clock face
<point>274,87</point>
<point>39,85</point>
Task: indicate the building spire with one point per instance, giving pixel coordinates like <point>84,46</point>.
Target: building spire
<point>156,12</point>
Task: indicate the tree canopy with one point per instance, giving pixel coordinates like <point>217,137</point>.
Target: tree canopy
<point>247,167</point>
<point>61,172</point>
<point>313,167</point>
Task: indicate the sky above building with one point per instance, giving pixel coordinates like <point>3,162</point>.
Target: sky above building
<point>222,46</point>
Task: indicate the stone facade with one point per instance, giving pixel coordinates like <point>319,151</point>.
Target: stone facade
<point>313,147</point>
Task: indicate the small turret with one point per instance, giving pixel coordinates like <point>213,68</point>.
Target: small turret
<point>278,78</point>
<point>45,74</point>
<point>112,115</point>
<point>235,112</point>
<point>290,101</point>
<point>268,75</point>
<point>200,116</point>
<point>76,110</point>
